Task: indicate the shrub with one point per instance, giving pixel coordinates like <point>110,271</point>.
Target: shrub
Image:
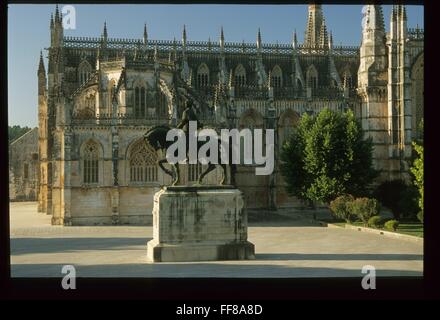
<point>420,216</point>
<point>398,197</point>
<point>340,209</point>
<point>391,225</point>
<point>364,208</point>
<point>375,222</point>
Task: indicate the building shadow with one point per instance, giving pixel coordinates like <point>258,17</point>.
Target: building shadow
<point>340,256</point>
<point>199,270</point>
<point>21,246</point>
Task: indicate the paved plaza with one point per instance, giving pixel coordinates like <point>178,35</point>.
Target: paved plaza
<point>291,248</point>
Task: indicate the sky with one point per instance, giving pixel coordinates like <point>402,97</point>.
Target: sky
<point>28,33</point>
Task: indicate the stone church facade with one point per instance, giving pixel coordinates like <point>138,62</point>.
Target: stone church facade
<point>100,95</point>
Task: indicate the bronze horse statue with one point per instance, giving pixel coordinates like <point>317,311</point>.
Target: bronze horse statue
<point>156,137</point>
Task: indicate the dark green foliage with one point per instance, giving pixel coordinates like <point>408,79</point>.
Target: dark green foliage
<point>399,197</point>
<point>420,216</point>
<point>364,208</point>
<point>340,209</point>
<point>418,172</point>
<point>326,157</point>
<point>15,132</point>
<point>391,225</point>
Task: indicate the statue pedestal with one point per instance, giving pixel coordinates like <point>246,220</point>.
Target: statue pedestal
<point>199,224</point>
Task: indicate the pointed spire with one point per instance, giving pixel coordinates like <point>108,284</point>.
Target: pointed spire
<point>294,40</point>
<point>104,34</point>
<point>57,14</point>
<point>374,18</point>
<point>222,39</point>
<point>323,37</point>
<point>41,63</point>
<point>174,49</point>
<point>184,36</point>
<point>330,41</point>
<point>259,39</point>
<point>314,24</point>
<point>145,34</point>
<point>404,17</point>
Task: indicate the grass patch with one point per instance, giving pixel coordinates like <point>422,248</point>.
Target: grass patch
<point>411,228</point>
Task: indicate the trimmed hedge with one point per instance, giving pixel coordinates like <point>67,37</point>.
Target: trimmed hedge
<point>364,208</point>
<point>375,222</point>
<point>391,225</point>
<point>340,207</point>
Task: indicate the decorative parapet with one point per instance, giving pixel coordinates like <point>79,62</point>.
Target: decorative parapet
<point>416,33</point>
<point>204,46</point>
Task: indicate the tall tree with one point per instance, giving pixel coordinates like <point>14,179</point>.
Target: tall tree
<point>327,156</point>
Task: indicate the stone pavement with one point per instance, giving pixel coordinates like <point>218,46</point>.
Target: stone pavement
<point>293,248</point>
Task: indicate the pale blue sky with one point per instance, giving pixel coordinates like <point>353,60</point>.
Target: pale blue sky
<point>28,33</point>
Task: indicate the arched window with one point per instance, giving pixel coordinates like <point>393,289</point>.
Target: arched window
<point>140,101</point>
<point>90,155</point>
<point>312,77</point>
<point>240,76</point>
<point>202,76</point>
<point>251,120</point>
<point>277,76</point>
<point>84,71</point>
<point>287,124</point>
<point>143,166</point>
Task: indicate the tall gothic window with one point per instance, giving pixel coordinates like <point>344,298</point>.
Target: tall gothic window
<point>240,76</point>
<point>202,76</point>
<point>277,76</point>
<point>143,166</point>
<point>90,162</point>
<point>140,102</point>
<point>312,77</point>
<point>84,71</point>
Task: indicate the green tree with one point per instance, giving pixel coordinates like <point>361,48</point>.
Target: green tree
<point>15,132</point>
<point>326,157</point>
<point>417,171</point>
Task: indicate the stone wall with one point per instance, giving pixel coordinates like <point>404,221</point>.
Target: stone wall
<point>23,167</point>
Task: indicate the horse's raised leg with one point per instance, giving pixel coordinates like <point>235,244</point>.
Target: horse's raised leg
<point>176,179</point>
<point>204,173</point>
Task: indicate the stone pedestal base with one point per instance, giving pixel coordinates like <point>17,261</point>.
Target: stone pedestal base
<point>199,224</point>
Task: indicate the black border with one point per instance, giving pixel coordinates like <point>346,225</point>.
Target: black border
<point>251,290</point>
